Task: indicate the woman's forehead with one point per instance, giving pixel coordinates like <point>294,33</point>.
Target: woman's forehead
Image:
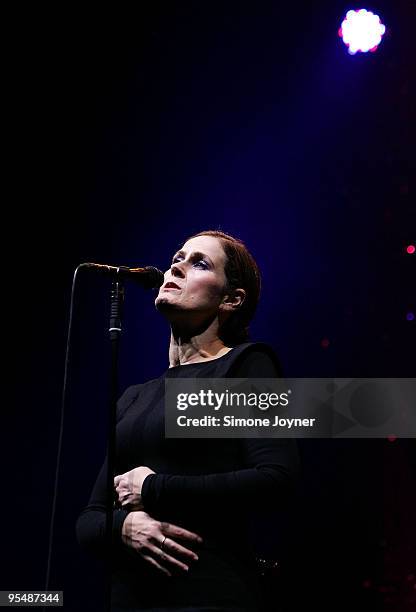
<point>209,245</point>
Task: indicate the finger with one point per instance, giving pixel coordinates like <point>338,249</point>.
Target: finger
<point>179,533</point>
<point>156,564</point>
<point>173,548</point>
<point>166,558</point>
<point>121,483</point>
<point>123,493</point>
<point>122,487</point>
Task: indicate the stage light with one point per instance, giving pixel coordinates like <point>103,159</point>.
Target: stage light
<point>410,316</point>
<point>361,31</point>
<point>411,249</point>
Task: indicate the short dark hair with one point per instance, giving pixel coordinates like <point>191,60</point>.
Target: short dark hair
<point>241,272</point>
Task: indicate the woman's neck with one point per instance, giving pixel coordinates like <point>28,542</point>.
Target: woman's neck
<point>196,349</point>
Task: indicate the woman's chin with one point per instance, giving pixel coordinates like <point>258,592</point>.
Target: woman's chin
<point>165,303</point>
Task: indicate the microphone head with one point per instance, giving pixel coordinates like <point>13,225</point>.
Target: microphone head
<point>150,277</point>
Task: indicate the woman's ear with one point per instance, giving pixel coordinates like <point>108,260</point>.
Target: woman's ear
<point>233,300</point>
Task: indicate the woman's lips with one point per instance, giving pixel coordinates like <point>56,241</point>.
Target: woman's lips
<point>171,286</point>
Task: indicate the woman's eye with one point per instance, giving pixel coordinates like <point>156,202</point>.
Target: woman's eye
<point>201,264</point>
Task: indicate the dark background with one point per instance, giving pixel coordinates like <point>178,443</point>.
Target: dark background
<point>129,130</point>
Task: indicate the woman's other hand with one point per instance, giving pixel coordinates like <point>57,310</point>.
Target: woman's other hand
<point>129,485</point>
<point>158,542</point>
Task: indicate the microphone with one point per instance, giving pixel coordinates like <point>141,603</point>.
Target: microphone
<point>148,277</point>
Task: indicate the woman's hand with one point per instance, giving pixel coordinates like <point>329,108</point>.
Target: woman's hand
<point>128,487</point>
<point>157,544</point>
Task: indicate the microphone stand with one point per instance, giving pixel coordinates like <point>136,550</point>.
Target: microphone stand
<point>117,298</point>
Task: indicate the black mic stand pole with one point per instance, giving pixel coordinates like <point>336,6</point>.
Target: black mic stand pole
<point>117,298</point>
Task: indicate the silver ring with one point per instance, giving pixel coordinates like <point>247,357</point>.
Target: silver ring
<point>163,543</point>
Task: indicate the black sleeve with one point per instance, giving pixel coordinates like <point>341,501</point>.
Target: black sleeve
<point>269,471</point>
<point>91,523</point>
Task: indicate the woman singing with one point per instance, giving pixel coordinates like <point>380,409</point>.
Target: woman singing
<point>180,531</point>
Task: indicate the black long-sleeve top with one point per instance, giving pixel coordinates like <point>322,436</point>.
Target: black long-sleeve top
<point>205,485</point>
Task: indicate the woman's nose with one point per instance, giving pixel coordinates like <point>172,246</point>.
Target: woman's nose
<point>176,270</point>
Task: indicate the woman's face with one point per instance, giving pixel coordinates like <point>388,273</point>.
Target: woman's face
<point>196,280</point>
